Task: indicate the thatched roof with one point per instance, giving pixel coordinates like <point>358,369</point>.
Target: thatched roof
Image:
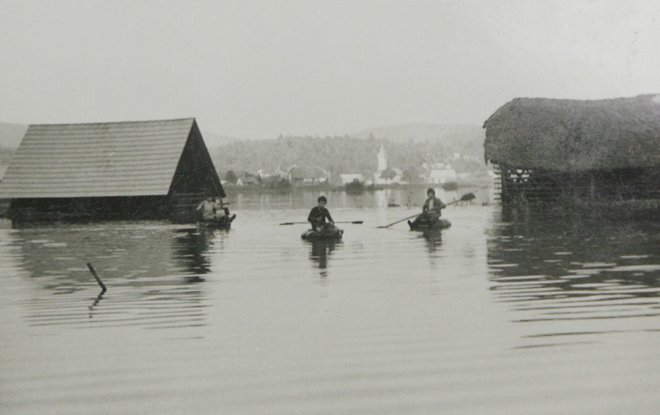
<point>571,135</point>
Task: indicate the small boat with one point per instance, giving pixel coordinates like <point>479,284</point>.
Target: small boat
<point>332,234</point>
<point>392,204</point>
<point>429,225</point>
<point>222,223</point>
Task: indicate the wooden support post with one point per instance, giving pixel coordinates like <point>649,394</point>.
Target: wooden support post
<point>96,276</point>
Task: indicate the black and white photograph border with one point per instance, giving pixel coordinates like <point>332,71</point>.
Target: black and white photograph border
<point>329,207</point>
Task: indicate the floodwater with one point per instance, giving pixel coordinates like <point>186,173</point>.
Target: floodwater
<point>492,316</point>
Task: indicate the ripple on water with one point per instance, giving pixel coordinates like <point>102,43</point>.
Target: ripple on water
<point>601,282</point>
<point>257,321</point>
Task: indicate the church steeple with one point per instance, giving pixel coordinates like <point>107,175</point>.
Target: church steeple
<point>382,159</point>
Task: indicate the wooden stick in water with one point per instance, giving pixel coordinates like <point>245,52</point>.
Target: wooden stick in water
<point>96,276</point>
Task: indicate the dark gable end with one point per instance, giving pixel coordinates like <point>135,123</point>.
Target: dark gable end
<point>195,172</point>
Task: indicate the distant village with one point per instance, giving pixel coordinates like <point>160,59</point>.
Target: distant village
<point>432,173</point>
<point>163,169</point>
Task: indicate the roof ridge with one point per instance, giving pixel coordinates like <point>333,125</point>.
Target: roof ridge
<point>108,154</point>
<point>115,122</point>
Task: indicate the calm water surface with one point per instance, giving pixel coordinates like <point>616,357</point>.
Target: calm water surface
<point>492,316</point>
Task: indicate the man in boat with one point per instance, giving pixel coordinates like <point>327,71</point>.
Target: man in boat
<point>207,208</point>
<point>432,209</point>
<point>220,210</point>
<point>318,215</point>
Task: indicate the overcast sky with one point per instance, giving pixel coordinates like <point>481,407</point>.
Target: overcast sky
<point>261,68</point>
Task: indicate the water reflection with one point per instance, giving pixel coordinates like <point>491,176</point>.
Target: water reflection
<point>578,270</point>
<point>433,240</point>
<point>96,301</point>
<point>191,248</point>
<point>152,271</point>
<point>320,252</point>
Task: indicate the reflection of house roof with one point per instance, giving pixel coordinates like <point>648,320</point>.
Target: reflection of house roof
<point>307,173</point>
<point>138,158</point>
<point>572,135</point>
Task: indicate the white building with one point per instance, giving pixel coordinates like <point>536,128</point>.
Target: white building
<point>350,178</point>
<point>439,173</point>
<point>386,175</point>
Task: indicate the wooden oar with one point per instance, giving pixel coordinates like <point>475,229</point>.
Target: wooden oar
<point>464,198</point>
<point>399,221</point>
<point>355,222</point>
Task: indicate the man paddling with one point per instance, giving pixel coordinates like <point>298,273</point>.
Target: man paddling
<point>432,209</point>
<point>318,215</point>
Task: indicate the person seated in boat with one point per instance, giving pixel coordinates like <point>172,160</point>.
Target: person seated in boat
<point>432,209</point>
<point>207,208</point>
<point>220,210</point>
<point>318,215</point>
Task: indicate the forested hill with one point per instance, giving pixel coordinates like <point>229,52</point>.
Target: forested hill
<point>463,138</point>
<point>342,154</point>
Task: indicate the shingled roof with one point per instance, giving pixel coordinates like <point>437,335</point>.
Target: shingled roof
<point>137,158</point>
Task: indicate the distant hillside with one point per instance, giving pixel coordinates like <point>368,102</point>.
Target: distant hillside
<point>407,146</point>
<point>345,154</point>
<point>11,134</point>
<point>463,138</point>
<point>213,139</point>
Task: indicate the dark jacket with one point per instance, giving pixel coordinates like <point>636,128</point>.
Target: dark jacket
<point>437,206</point>
<point>318,215</point>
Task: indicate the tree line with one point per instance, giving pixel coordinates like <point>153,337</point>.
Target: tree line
<point>335,154</point>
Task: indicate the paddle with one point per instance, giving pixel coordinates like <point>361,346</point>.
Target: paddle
<point>355,222</point>
<point>464,198</point>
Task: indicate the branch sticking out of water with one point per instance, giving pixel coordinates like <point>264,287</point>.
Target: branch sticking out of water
<point>96,276</point>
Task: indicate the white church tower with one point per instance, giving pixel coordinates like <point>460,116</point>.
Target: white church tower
<point>382,159</point>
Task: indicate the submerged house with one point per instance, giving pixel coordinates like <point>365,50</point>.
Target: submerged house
<point>568,150</point>
<point>118,170</point>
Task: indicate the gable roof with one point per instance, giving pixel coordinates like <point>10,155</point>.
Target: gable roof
<point>137,158</point>
<point>573,135</point>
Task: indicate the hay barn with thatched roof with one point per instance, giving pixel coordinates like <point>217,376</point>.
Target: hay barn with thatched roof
<point>119,170</point>
<point>567,150</point>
